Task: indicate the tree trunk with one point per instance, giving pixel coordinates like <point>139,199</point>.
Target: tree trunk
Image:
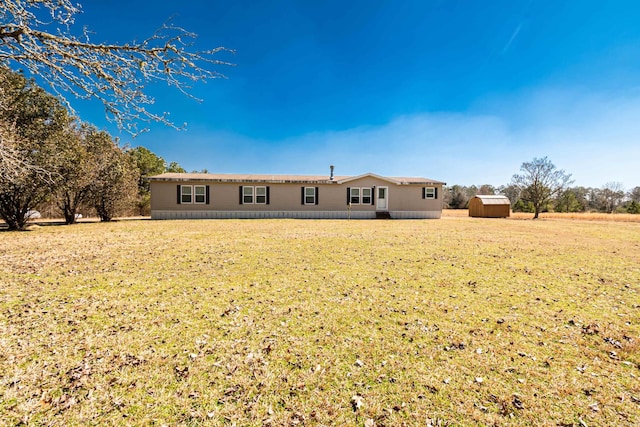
<point>14,225</point>
<point>69,217</point>
<point>14,212</point>
<point>68,210</point>
<point>103,212</point>
<point>16,221</point>
<point>537,212</point>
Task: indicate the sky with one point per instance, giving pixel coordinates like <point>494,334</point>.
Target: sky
<point>458,91</point>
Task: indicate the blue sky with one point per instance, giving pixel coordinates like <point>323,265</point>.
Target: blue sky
<point>459,91</point>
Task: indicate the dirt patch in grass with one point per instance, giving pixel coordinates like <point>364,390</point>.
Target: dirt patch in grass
<point>285,322</point>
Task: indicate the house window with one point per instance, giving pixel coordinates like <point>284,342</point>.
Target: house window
<point>247,195</point>
<point>250,195</point>
<point>366,196</point>
<point>360,195</point>
<point>261,195</point>
<point>200,193</point>
<point>189,194</point>
<point>186,193</point>
<point>354,196</point>
<point>309,195</point>
<point>429,193</point>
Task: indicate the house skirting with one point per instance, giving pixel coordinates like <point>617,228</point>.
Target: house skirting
<point>175,214</point>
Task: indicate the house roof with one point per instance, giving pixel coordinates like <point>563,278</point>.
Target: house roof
<point>493,199</point>
<point>286,179</point>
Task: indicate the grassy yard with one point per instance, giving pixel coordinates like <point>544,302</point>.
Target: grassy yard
<point>456,321</point>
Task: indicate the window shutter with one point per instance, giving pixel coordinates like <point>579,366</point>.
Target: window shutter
<point>373,191</point>
<point>302,195</point>
<point>348,195</point>
<point>241,194</point>
<point>424,192</point>
<point>206,194</point>
<point>435,190</point>
<point>179,194</point>
<point>267,195</point>
<point>316,195</point>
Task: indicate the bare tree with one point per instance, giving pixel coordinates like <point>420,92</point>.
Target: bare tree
<point>511,191</point>
<point>612,194</point>
<point>486,189</point>
<point>36,35</point>
<point>539,182</point>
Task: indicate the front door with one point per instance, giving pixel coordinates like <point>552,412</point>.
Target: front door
<point>382,198</point>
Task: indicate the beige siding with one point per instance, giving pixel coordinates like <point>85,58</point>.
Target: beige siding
<point>405,201</point>
<point>172,214</point>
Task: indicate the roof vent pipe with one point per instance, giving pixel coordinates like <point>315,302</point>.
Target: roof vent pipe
<point>331,176</point>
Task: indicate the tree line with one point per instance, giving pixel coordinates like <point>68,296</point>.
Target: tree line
<point>52,159</point>
<point>528,192</point>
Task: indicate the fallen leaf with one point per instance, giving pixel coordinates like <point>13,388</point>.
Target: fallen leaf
<point>517,402</point>
<point>356,402</point>
<point>615,343</point>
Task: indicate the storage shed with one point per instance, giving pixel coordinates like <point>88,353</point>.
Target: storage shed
<point>482,206</point>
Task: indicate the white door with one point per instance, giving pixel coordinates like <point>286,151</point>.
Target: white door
<point>382,197</point>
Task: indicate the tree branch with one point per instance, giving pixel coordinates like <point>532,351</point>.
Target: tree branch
<point>115,74</point>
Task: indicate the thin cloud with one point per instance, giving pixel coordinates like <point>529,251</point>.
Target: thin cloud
<point>512,38</point>
<point>592,136</point>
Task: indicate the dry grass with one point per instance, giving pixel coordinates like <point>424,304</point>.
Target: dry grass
<point>584,216</point>
<point>456,321</point>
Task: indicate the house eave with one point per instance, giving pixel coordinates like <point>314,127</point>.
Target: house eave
<point>367,175</point>
<point>243,181</point>
<point>288,179</point>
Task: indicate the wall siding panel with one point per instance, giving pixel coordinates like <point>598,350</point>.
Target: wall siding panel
<point>404,201</point>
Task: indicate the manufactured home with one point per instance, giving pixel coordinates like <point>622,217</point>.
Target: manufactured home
<point>203,195</point>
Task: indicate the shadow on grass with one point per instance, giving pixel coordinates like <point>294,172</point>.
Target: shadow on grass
<point>33,225</point>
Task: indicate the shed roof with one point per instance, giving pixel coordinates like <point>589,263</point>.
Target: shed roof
<point>286,179</point>
<point>493,199</point>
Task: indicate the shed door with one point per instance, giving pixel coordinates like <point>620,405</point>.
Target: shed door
<point>382,198</point>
